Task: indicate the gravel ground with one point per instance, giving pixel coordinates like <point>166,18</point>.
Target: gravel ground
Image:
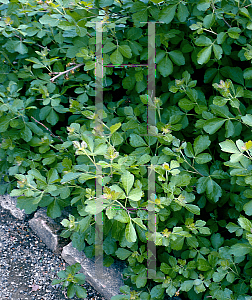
<point>27,266</point>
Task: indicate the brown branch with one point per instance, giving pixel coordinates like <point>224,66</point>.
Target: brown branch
<point>48,130</point>
<point>226,23</point>
<point>65,72</point>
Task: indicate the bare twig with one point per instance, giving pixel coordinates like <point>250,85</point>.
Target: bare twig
<point>66,72</point>
<point>48,130</point>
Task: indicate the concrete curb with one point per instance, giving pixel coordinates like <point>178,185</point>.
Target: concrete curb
<point>47,229</point>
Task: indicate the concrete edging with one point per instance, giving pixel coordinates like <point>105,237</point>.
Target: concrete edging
<point>47,229</point>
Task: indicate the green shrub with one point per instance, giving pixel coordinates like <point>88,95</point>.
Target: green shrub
<point>200,147</point>
<point>72,281</point>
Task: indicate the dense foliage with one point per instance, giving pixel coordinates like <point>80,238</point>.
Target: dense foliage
<point>200,148</point>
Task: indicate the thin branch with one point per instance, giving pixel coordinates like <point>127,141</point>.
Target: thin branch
<point>65,72</point>
<point>226,23</point>
<point>48,130</point>
<point>210,31</point>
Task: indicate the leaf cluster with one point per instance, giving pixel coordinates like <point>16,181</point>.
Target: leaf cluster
<point>183,183</point>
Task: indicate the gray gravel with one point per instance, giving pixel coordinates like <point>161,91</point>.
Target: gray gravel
<point>27,266</point>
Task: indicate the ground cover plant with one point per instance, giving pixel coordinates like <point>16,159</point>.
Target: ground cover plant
<point>200,148</point>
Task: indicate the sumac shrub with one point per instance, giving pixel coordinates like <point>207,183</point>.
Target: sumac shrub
<point>200,148</point>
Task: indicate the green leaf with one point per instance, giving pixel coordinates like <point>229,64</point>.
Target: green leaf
<point>165,66</point>
<point>178,243</point>
<point>116,57</point>
<point>54,210</point>
<point>4,123</point>
<point>134,33</point>
<point>69,176</point>
<point>108,47</point>
<point>217,240</point>
<point>116,139</point>
<point>240,249</point>
<point>84,223</point>
<point>89,65</point>
<point>202,185</point>
<point>177,57</point>
<point>234,73</point>
<point>182,12</point>
<point>52,117</point>
<point>141,279</point>
<point>125,50</point>
<point>212,125</point>
<point>203,265</point>
<point>230,129</point>
<point>100,149</point>
<point>52,176</point>
<point>135,194</point>
<point>157,292</point>
<point>187,285</point>
<point>56,281</point>
<point>71,290</point>
<point>186,104</point>
<point>123,253</point>
<point>27,204</point>
<point>167,14</point>
<point>201,143</point>
<point>129,82</point>
<point>16,192</point>
<point>203,5</point>
<point>247,119</point>
<point>62,274</point>
<point>234,32</point>
<point>36,174</point>
<point>204,55</point>
<point>193,209</point>
<point>144,159</point>
<point>20,47</point>
<point>141,12</point>
<point>203,158</point>
<point>189,150</point>
<point>127,181</point>
<point>122,216</point>
<point>230,277</point>
<point>247,73</point>
<point>214,191</point>
<point>245,223</point>
<point>115,127</point>
<point>26,134</point>
<point>248,193</point>
<point>110,212</point>
<point>47,19</point>
<point>229,146</point>
<point>232,227</point>
<point>35,128</point>
<point>221,37</point>
<point>83,177</point>
<point>103,3</point>
<point>130,233</point>
<point>217,51</point>
<point>139,222</point>
<point>203,41</point>
<point>109,245</point>
<point>78,240</point>
<point>209,20</point>
<point>248,208</point>
<point>81,292</point>
<point>136,140</point>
